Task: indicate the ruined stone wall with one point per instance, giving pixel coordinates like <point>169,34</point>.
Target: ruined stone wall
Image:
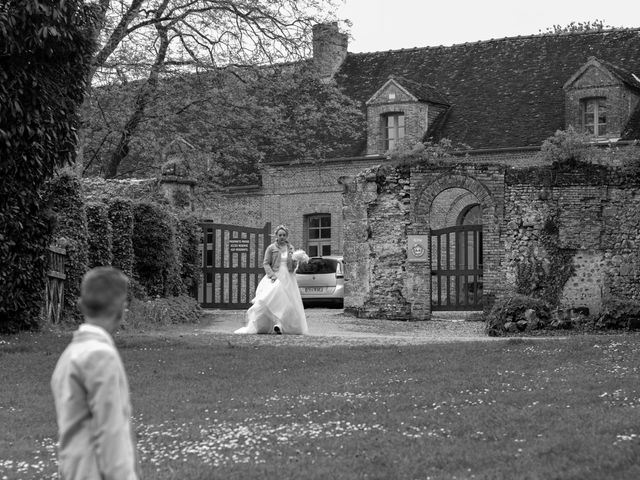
<point>376,217</point>
<point>580,223</point>
<point>570,235</point>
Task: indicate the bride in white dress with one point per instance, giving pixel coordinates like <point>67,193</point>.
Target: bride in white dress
<point>277,306</point>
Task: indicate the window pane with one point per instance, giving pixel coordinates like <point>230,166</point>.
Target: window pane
<point>314,222</point>
<point>326,250</point>
<point>314,233</point>
<point>588,119</point>
<point>325,221</point>
<point>401,121</point>
<point>325,233</point>
<point>313,250</point>
<point>602,116</point>
<point>602,129</point>
<point>209,258</point>
<point>590,107</point>
<point>391,121</point>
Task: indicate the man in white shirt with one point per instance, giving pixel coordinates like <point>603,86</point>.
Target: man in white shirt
<point>91,390</point>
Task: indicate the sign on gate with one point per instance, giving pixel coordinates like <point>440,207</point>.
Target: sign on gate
<point>418,248</point>
<point>231,264</point>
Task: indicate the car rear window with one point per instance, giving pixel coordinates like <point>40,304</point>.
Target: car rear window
<point>318,265</point>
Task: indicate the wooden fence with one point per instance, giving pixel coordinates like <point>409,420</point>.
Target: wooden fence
<point>54,289</point>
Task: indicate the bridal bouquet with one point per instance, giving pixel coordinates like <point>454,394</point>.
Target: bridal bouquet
<point>300,256</point>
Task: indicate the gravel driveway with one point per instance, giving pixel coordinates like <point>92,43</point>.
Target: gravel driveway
<point>329,327</point>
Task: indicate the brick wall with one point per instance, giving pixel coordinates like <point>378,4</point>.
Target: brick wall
<point>291,192</point>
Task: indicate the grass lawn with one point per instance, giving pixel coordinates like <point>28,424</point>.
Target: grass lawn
<point>212,407</point>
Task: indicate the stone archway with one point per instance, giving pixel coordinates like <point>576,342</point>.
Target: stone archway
<point>464,190</point>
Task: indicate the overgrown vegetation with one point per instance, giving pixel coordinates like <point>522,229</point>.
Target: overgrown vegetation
<point>45,52</point>
<point>619,313</point>
<point>510,314</point>
<point>546,277</point>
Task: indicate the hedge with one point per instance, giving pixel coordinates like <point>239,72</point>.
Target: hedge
<point>45,55</point>
<point>154,250</point>
<point>189,239</point>
<point>99,240</point>
<point>64,194</point>
<point>121,219</point>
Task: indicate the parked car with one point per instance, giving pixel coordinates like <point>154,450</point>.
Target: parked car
<point>321,281</point>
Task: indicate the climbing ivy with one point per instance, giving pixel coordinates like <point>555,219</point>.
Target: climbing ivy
<point>546,277</point>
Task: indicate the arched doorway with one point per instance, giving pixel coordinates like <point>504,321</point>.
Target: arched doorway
<point>456,251</point>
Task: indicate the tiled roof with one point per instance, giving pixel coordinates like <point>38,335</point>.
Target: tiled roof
<point>421,91</point>
<point>631,131</point>
<point>631,79</point>
<point>503,93</point>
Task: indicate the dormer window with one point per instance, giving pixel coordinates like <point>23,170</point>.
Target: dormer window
<point>393,124</point>
<point>594,116</point>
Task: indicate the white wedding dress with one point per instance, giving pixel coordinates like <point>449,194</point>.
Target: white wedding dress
<point>277,303</point>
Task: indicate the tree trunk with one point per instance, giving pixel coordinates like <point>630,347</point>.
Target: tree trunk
<point>146,92</point>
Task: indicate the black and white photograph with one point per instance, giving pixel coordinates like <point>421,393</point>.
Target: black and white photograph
<point>320,240</point>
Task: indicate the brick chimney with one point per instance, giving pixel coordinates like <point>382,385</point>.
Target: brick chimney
<point>329,49</point>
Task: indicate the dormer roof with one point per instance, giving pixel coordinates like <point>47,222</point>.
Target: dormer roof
<point>617,74</point>
<point>419,92</point>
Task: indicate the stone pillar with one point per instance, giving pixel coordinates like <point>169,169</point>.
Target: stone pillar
<point>177,184</point>
<point>176,181</point>
<point>178,190</point>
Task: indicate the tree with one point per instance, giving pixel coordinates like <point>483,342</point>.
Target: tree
<point>234,125</point>
<point>148,41</point>
<point>45,53</point>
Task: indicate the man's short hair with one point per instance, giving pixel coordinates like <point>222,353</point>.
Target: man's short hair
<point>103,291</point>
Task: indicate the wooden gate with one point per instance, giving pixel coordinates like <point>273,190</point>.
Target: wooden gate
<point>231,264</point>
<point>456,268</point>
<point>54,288</point>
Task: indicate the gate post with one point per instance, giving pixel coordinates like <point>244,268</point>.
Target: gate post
<point>418,280</point>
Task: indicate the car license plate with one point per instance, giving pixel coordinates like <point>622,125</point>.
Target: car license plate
<point>313,290</point>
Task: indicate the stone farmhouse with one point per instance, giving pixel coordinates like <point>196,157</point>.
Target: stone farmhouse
<point>498,216</point>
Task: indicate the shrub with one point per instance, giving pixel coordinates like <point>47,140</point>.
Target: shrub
<point>45,54</point>
<point>189,240</point>
<point>507,312</point>
<point>154,249</point>
<point>619,313</point>
<point>99,239</point>
<point>65,198</point>
<point>566,147</point>
<point>121,219</point>
<point>162,312</point>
